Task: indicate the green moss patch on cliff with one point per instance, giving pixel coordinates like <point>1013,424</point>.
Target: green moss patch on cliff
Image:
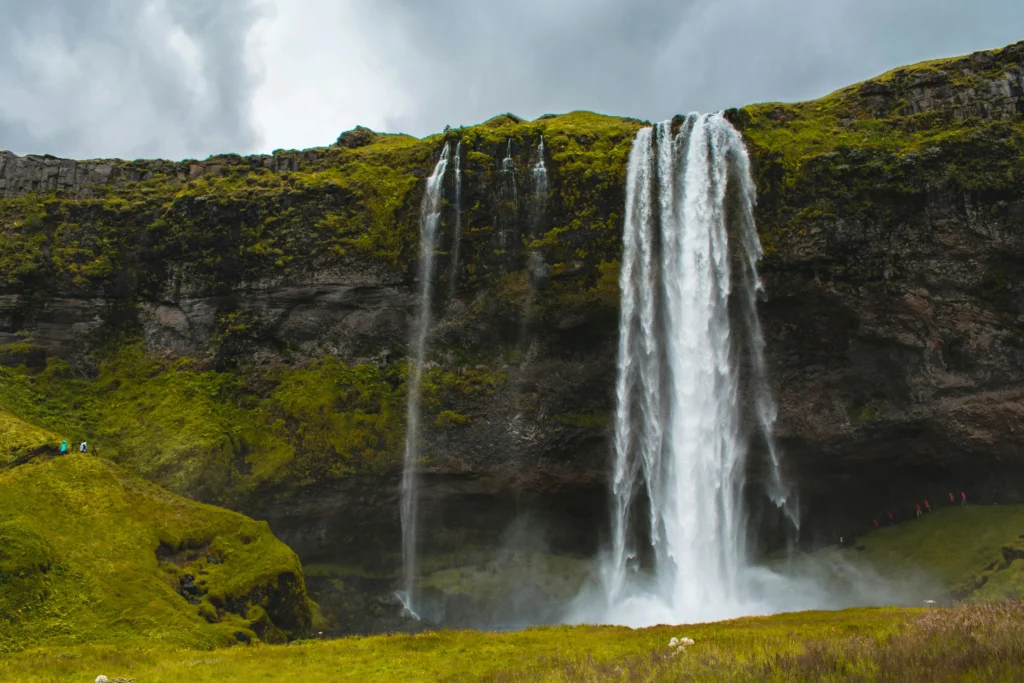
<point>947,124</point>
<point>91,554</point>
<point>221,436</point>
<point>209,434</point>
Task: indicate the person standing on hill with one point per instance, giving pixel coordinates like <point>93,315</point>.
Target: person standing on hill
<point>927,506</point>
<point>891,521</point>
<point>918,509</point>
<point>963,499</point>
<point>950,498</point>
<point>64,447</point>
<point>83,447</point>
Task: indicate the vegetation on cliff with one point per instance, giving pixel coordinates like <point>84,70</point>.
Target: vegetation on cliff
<point>945,124</point>
<point>91,554</point>
<point>219,436</point>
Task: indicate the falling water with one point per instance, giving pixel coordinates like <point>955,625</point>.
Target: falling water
<point>430,218</point>
<point>680,449</point>
<point>453,281</point>
<point>509,195</point>
<point>540,186</point>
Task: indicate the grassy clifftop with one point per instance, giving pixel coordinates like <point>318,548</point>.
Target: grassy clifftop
<point>91,554</point>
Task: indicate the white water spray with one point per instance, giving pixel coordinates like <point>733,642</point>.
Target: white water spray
<point>680,449</point>
<point>453,280</point>
<point>430,218</point>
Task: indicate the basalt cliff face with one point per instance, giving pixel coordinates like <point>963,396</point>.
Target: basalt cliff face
<point>236,329</point>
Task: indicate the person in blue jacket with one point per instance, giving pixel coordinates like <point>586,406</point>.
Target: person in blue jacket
<point>64,447</point>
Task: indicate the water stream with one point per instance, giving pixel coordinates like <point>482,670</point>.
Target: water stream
<point>430,218</point>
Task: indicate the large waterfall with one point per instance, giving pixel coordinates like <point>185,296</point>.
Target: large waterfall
<point>687,330</point>
<point>430,218</point>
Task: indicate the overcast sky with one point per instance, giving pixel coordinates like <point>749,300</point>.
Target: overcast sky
<point>190,78</point>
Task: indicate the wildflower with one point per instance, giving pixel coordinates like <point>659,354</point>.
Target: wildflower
<point>929,602</point>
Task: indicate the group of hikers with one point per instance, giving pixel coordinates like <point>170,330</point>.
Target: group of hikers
<point>82,447</point>
<point>889,519</point>
<point>927,507</point>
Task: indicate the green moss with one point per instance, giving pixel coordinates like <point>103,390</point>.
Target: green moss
<point>79,562</point>
<point>16,436</point>
<point>584,420</point>
<point>450,418</point>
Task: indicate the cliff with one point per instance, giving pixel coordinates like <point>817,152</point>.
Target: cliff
<point>235,329</point>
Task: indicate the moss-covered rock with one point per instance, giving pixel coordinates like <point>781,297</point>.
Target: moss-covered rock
<point>92,554</point>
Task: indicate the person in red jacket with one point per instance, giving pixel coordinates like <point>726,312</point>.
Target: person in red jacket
<point>890,518</point>
<point>918,509</point>
<point>950,497</point>
<point>927,507</point>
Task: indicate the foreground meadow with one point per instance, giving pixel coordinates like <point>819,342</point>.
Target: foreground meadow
<point>965,643</point>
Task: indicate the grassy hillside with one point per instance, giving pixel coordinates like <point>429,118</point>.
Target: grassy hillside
<point>976,551</point>
<point>964,644</point>
<point>91,554</point>
<point>17,436</point>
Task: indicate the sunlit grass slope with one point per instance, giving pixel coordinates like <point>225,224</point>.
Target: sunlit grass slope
<point>977,551</point>
<point>79,563</point>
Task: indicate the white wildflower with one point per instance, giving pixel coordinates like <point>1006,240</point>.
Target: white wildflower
<point>101,679</point>
<point>673,642</point>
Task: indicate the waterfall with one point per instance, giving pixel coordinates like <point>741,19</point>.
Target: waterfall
<point>430,218</point>
<point>509,196</point>
<point>453,281</point>
<point>680,445</point>
<point>540,186</point>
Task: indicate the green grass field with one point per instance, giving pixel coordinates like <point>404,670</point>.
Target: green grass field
<point>881,644</point>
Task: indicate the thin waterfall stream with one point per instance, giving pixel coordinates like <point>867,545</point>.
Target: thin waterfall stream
<point>430,219</point>
<point>457,239</point>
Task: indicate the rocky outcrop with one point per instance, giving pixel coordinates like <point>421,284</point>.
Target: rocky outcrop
<point>95,178</point>
<point>892,216</point>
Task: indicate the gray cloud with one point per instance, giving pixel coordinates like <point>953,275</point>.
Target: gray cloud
<point>181,78</point>
<point>654,58</point>
<point>126,78</point>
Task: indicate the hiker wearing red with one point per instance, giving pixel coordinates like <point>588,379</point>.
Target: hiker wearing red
<point>951,498</point>
<point>963,498</point>
<point>927,507</point>
<point>890,518</point>
<point>876,522</point>
<point>918,509</point>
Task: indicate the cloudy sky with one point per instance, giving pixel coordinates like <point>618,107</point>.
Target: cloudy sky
<point>190,78</point>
